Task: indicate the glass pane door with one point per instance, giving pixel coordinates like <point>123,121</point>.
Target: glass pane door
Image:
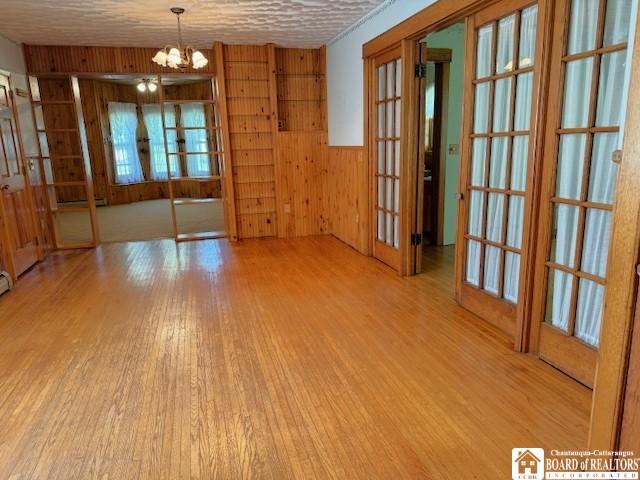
<point>495,162</point>
<point>192,151</point>
<point>387,108</point>
<point>590,66</point>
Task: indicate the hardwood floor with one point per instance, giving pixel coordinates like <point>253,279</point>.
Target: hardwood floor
<point>266,359</point>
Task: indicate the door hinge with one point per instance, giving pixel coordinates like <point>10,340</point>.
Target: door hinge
<point>416,239</point>
<point>420,70</point>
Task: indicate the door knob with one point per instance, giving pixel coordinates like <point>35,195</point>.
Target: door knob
<point>459,196</point>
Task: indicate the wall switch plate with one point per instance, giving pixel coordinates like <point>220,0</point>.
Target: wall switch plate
<point>287,208</point>
<point>454,149</point>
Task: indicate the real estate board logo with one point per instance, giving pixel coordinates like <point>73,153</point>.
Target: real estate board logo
<point>527,463</point>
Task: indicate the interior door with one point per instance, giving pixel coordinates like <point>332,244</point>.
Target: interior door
<point>387,112</point>
<point>19,234</point>
<point>588,72</point>
<point>195,154</point>
<point>64,161</point>
<point>500,85</point>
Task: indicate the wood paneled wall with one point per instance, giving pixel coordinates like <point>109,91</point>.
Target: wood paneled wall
<point>348,193</point>
<point>246,75</point>
<point>303,183</point>
<point>283,176</point>
<point>301,141</point>
<point>66,59</point>
<point>301,86</point>
<point>279,167</point>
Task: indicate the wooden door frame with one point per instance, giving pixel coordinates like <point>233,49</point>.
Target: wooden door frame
<point>630,413</point>
<point>438,180</point>
<point>227,161</point>
<point>622,282</point>
<point>224,178</point>
<point>385,255</point>
<point>522,309</point>
<point>22,158</point>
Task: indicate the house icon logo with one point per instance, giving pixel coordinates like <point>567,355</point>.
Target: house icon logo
<point>527,463</point>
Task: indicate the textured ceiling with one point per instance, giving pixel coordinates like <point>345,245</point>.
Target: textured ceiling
<point>148,23</point>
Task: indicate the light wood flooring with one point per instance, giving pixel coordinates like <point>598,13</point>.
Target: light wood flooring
<point>267,359</point>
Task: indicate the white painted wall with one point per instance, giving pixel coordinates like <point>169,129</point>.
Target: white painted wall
<point>345,79</point>
<point>11,60</point>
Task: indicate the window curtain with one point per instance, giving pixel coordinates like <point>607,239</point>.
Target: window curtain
<point>124,124</point>
<point>192,116</point>
<point>153,122</point>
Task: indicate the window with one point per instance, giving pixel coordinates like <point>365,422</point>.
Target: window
<point>153,123</point>
<point>124,123</point>
<point>196,141</point>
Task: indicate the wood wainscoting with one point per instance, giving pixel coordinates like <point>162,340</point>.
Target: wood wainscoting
<point>348,192</point>
<point>303,182</point>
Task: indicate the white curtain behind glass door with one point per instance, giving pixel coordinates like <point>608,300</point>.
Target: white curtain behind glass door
<point>610,111</point>
<point>508,140</point>
<point>153,122</point>
<point>196,142</point>
<point>123,119</point>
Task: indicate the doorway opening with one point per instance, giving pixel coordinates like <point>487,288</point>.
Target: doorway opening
<point>140,159</point>
<point>442,54</point>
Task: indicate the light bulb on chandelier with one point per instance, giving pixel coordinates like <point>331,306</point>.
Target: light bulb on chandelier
<point>146,85</point>
<point>179,57</point>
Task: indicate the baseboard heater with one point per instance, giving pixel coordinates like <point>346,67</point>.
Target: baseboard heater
<point>5,282</point>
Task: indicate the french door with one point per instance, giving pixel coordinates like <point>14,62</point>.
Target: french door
<point>387,123</point>
<point>588,70</point>
<point>19,239</point>
<point>501,85</point>
<point>64,161</point>
<point>194,153</point>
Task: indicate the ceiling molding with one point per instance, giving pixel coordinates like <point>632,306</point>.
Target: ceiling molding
<point>367,18</point>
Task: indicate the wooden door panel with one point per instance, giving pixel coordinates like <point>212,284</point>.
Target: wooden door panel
<point>19,236</point>
<point>501,83</point>
<point>387,109</point>
<point>578,182</point>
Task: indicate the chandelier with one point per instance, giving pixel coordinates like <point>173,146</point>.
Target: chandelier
<point>146,85</point>
<point>178,57</point>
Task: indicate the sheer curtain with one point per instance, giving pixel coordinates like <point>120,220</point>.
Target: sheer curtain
<point>153,122</point>
<point>192,116</point>
<point>124,124</point>
<point>601,177</point>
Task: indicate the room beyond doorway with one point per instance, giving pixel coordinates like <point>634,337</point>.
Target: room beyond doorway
<point>440,150</point>
<point>141,159</point>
